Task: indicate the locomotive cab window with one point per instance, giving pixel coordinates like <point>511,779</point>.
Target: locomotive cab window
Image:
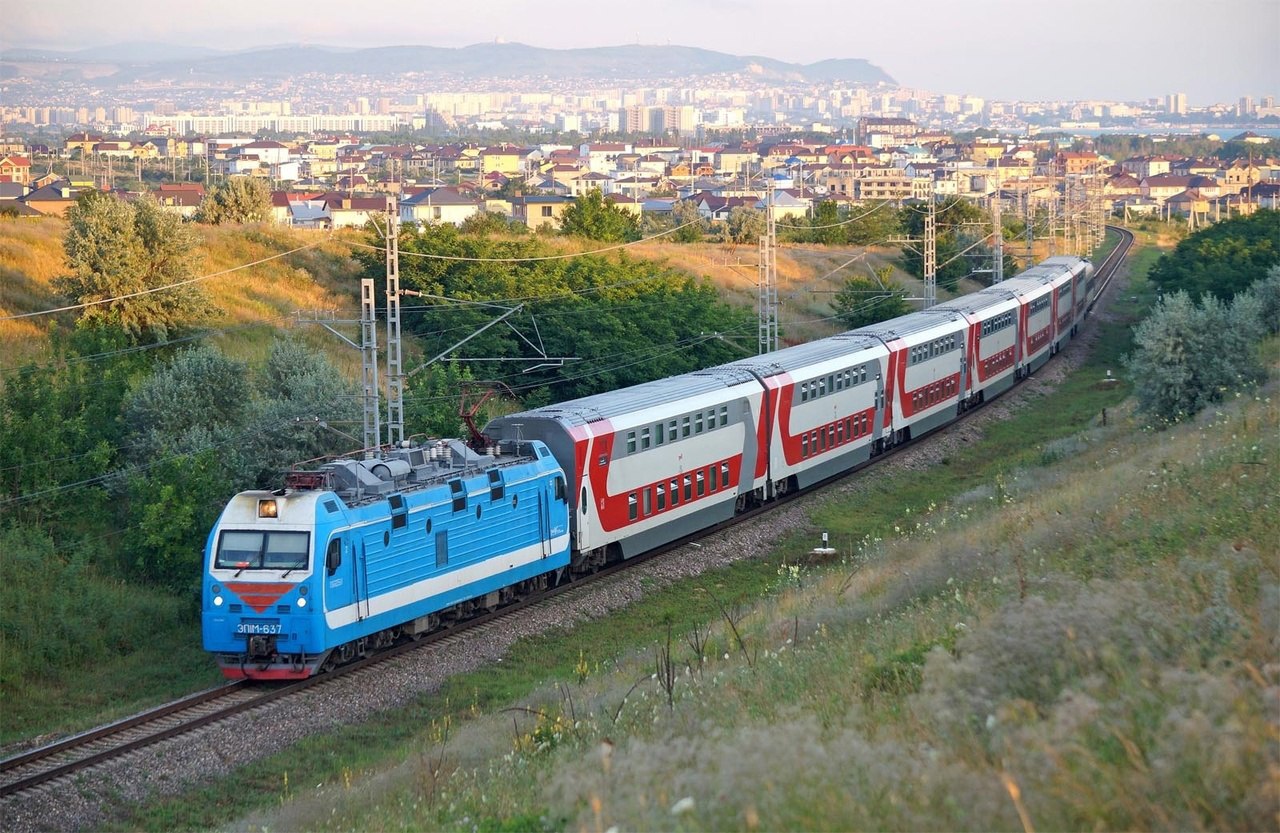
<point>333,558</point>
<point>255,550</point>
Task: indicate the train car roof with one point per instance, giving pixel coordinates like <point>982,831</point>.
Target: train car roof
<point>909,324</point>
<point>805,355</point>
<point>975,302</point>
<point>1021,285</point>
<point>639,397</point>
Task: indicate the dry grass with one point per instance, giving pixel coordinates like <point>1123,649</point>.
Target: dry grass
<point>30,258</point>
<point>250,303</point>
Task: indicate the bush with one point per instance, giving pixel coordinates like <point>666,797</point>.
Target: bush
<point>1188,356</point>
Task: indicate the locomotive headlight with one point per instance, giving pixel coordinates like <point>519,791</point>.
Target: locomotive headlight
<point>217,601</point>
<point>302,602</point>
<point>267,509</point>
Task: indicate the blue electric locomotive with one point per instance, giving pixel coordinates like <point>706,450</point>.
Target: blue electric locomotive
<point>356,554</point>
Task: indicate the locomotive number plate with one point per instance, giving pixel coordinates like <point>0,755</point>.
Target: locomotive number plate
<point>253,628</point>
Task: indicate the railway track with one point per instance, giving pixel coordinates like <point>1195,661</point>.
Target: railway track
<point>46,766</point>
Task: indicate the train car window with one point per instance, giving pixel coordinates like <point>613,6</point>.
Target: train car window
<point>688,488</point>
<point>459,495</point>
<point>659,434</point>
<point>711,419</point>
<point>839,429</point>
<point>724,415</point>
<point>675,492</point>
<point>804,391</point>
<point>648,501</point>
<point>631,442</point>
<point>497,489</point>
<point>684,427</point>
<point>644,438</point>
<point>672,433</point>
<point>333,558</point>
<point>713,472</point>
<point>697,423</point>
<point>804,446</point>
<point>662,497</point>
<point>632,503</point>
<point>724,474</point>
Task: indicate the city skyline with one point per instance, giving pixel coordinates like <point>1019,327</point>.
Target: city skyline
<point>1135,50</point>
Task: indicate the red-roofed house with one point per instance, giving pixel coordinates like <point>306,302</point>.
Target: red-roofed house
<point>15,168</point>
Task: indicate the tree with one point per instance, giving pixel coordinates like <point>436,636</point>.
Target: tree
<point>826,224</point>
<point>745,224</point>
<point>121,255</point>
<point>491,222</point>
<point>689,221</point>
<point>862,302</point>
<point>1223,259</point>
<point>592,217</point>
<point>241,199</point>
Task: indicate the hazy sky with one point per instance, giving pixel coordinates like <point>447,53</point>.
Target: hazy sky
<point>1213,50</point>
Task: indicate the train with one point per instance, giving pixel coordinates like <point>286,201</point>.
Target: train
<point>356,554</point>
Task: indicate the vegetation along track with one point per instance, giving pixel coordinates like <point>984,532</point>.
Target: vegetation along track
<point>65,758</point>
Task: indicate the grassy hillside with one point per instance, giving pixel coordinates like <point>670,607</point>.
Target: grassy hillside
<point>252,303</point>
<point>1070,625</point>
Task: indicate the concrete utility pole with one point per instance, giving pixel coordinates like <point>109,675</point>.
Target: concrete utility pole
<point>767,300</point>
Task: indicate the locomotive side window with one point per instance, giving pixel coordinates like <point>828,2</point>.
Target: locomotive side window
<point>560,492</point>
<point>333,559</point>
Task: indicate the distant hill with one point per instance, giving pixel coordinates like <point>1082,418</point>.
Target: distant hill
<point>488,60</point>
<point>140,52</point>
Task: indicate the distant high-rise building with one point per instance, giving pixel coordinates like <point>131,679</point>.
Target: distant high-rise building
<point>1245,106</point>
<point>1269,101</point>
<point>1176,104</point>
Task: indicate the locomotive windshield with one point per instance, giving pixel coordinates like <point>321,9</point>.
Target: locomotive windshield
<point>253,550</point>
